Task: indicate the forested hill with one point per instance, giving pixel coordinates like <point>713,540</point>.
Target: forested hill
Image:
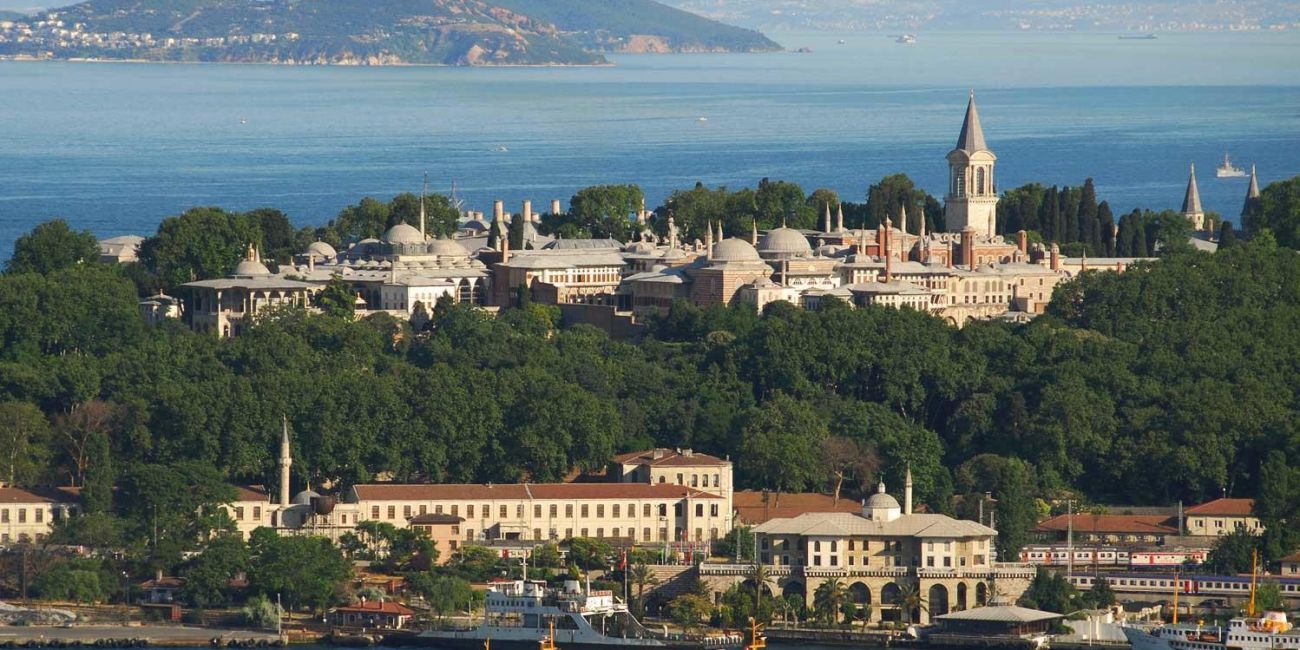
<point>454,32</point>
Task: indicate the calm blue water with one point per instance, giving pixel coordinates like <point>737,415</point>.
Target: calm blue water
<point>116,147</point>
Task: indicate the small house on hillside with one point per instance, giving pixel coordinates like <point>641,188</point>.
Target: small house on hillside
<point>373,614</point>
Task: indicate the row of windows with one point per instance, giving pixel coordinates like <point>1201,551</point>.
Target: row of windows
<point>257,513</point>
<point>19,515</point>
<point>616,510</point>
<point>695,480</point>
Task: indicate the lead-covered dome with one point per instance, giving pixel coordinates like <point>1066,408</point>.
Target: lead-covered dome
<point>784,242</point>
<point>321,249</point>
<point>448,248</point>
<point>735,250</point>
<point>250,269</point>
<point>403,233</point>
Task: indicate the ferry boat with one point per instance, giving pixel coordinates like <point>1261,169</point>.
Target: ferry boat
<point>1227,170</point>
<point>522,614</point>
<point>906,39</point>
<point>1270,631</point>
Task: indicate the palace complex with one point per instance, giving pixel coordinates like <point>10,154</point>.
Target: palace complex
<point>970,272</point>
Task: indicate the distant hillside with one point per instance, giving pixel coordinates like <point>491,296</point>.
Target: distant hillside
<point>11,15</point>
<point>623,25</point>
<point>1061,15</point>
<point>373,32</point>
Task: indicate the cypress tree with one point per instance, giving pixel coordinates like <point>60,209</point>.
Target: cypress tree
<point>1106,228</point>
<point>1227,236</point>
<point>516,233</point>
<point>97,493</point>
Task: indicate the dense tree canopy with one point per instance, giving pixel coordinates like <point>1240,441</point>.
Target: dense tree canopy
<point>52,245</point>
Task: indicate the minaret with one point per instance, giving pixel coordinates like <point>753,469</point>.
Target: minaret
<point>424,189</point>
<point>972,198</point>
<point>1252,193</point>
<point>285,462</point>
<point>826,221</point>
<point>1192,202</point>
<point>907,491</point>
<point>708,240</point>
<point>753,236</point>
<point>839,217</point>
<point>720,235</point>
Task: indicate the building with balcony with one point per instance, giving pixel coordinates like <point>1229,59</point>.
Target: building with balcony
<point>884,551</point>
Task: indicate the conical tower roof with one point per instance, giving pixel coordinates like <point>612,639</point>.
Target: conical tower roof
<point>1253,192</point>
<point>972,133</point>
<point>1192,200</point>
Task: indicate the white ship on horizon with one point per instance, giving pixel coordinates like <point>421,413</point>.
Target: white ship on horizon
<point>1228,170</point>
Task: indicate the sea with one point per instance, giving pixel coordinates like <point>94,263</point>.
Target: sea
<point>116,147</point>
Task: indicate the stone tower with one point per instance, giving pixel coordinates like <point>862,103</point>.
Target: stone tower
<point>972,198</point>
<point>1192,203</point>
<point>286,461</point>
<point>1252,193</point>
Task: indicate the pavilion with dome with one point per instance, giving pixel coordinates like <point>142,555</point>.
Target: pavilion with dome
<point>402,269</point>
<point>226,305</point>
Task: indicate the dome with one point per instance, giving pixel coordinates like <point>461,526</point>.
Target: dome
<point>474,224</point>
<point>403,233</point>
<point>735,250</point>
<point>785,241</point>
<point>304,498</point>
<point>321,249</point>
<point>881,501</point>
<point>447,248</point>
<point>250,268</point>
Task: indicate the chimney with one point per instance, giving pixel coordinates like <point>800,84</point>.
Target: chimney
<point>1055,259</point>
<point>555,206</point>
<point>968,247</point>
<point>688,452</point>
<point>1022,242</point>
<point>527,211</point>
<point>888,253</point>
<point>950,254</point>
<point>498,210</point>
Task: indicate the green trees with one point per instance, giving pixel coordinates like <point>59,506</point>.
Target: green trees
<point>444,594</point>
<point>1099,595</point>
<point>205,243</point>
<point>1233,553</point>
<point>306,571</point>
<point>1071,217</point>
<point>78,580</point>
<point>828,599</point>
<point>24,443</point>
<point>1278,211</point>
<point>370,218</point>
<point>337,299</point>
<point>893,193</point>
<point>598,212</point>
<point>97,491</point>
<point>1277,504</point>
<point>1051,592</point>
<point>689,610</point>
<point>1010,480</point>
<point>208,575</point>
<point>780,445</point>
<point>51,246</point>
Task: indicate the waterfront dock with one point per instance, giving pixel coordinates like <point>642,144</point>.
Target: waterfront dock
<point>130,636</point>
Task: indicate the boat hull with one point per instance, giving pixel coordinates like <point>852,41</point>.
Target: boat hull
<point>1141,640</point>
<point>476,643</point>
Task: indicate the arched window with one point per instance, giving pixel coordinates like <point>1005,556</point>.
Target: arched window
<point>979,182</point>
<point>959,182</point>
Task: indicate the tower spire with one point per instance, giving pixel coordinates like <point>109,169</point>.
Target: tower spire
<point>972,132</point>
<point>1252,193</point>
<point>839,217</point>
<point>1192,201</point>
<point>907,491</point>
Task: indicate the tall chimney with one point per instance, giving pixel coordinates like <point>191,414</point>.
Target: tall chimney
<point>888,252</point>
<point>1022,242</point>
<point>1055,259</point>
<point>968,247</point>
<point>498,210</point>
<point>527,211</point>
<point>555,206</point>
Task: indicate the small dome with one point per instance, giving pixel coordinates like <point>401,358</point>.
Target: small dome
<point>321,249</point>
<point>250,269</point>
<point>304,498</point>
<point>448,248</point>
<point>735,250</point>
<point>786,242</point>
<point>474,224</point>
<point>403,233</point>
<point>881,501</point>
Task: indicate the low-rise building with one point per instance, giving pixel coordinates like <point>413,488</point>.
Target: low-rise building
<point>444,530</point>
<point>1222,516</point>
<point>1109,529</point>
<point>28,515</point>
<point>373,614</point>
<point>1291,565</point>
<point>226,306</point>
<point>120,249</point>
<point>885,549</point>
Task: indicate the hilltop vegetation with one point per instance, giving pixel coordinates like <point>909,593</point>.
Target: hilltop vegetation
<point>458,32</point>
<point>1173,381</point>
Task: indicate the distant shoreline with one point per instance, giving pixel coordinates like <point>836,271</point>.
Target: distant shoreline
<point>55,59</point>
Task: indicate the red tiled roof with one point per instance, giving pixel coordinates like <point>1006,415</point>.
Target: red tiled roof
<point>670,458</point>
<point>251,493</point>
<point>1224,508</point>
<point>166,582</point>
<point>40,495</point>
<point>524,491</point>
<point>1088,523</point>
<point>1294,557</point>
<point>755,507</point>
<point>377,607</point>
